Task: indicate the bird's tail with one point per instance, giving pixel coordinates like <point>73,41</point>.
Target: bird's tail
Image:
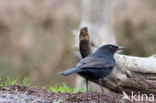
<point>70,71</point>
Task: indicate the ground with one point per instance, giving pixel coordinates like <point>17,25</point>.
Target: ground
<point>24,94</point>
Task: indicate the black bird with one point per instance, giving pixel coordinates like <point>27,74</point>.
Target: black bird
<point>97,65</point>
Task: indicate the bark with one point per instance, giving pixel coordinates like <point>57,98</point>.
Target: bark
<point>137,74</point>
<point>85,44</point>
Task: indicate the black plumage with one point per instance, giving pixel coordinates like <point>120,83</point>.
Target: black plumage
<point>97,65</point>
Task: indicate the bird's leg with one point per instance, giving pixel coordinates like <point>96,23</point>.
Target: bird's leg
<point>87,84</point>
<point>100,80</point>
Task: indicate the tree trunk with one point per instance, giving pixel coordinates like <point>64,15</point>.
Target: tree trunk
<point>98,19</point>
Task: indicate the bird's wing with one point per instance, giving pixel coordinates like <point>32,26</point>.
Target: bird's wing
<point>95,62</point>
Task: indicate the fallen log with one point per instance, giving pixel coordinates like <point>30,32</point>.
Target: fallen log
<point>131,73</point>
<point>137,74</point>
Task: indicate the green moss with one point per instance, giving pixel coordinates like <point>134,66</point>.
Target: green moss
<point>26,82</point>
<point>65,88</point>
<point>9,82</point>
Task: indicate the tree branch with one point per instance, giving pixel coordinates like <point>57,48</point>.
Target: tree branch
<point>84,45</point>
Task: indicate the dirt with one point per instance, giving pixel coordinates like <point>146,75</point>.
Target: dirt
<point>22,94</point>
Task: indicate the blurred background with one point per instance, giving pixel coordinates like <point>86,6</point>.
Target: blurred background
<point>37,37</point>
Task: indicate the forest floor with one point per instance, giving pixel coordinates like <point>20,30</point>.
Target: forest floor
<point>24,94</point>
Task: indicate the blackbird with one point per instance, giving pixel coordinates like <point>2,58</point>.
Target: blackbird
<point>97,65</point>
